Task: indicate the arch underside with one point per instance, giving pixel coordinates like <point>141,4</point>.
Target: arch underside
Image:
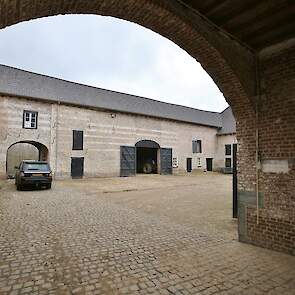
<point>36,144</point>
<point>147,144</point>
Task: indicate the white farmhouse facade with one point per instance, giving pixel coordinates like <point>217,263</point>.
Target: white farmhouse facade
<point>90,132</point>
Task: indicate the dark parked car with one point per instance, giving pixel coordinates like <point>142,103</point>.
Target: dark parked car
<point>33,173</point>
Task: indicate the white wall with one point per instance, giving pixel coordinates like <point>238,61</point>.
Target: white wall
<point>11,125</point>
<point>103,136</point>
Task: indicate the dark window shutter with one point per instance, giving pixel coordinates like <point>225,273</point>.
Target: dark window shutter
<point>228,149</point>
<point>197,146</point>
<point>77,140</point>
<point>228,162</point>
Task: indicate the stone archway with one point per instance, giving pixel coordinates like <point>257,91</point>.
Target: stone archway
<point>238,72</point>
<point>24,150</point>
<point>147,157</point>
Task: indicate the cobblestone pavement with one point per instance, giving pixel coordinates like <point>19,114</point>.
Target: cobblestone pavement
<point>142,235</point>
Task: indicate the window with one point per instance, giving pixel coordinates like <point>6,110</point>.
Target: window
<point>228,149</point>
<point>197,146</point>
<point>30,120</point>
<point>228,162</point>
<point>77,140</point>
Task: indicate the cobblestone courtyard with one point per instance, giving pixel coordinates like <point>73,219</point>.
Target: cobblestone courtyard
<point>141,235</point>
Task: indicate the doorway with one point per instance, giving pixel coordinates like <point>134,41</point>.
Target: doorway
<point>147,157</point>
<point>209,164</point>
<point>77,168</point>
<point>147,160</point>
<point>189,166</point>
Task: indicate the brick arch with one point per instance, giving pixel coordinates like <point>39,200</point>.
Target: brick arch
<point>230,64</point>
<point>168,19</point>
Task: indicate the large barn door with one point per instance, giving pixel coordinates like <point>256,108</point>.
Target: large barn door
<point>166,161</point>
<point>128,161</point>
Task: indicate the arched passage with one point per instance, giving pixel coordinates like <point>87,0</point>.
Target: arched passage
<point>235,70</point>
<point>147,157</point>
<point>231,65</point>
<point>24,150</point>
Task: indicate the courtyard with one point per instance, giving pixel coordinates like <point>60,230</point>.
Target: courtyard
<point>140,235</point>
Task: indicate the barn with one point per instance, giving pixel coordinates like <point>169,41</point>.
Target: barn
<point>85,131</point>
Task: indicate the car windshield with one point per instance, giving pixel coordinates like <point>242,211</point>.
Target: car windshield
<point>36,167</point>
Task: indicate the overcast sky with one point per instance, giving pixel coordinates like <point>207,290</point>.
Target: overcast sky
<point>110,53</point>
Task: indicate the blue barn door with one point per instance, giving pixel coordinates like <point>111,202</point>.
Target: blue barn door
<point>128,161</point>
<point>166,161</point>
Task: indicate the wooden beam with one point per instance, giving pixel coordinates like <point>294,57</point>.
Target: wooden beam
<point>249,16</point>
<point>266,22</point>
<point>281,33</point>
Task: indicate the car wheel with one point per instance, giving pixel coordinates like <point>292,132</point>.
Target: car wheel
<point>19,187</point>
<point>48,186</point>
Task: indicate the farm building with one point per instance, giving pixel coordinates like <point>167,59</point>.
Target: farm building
<point>85,131</point>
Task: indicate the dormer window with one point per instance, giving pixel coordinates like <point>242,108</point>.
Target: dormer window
<point>30,120</point>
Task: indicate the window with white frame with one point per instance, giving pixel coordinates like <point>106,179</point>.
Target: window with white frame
<point>30,120</point>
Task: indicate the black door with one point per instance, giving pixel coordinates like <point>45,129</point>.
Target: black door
<point>189,165</point>
<point>209,163</point>
<point>166,161</point>
<point>128,161</point>
<point>77,167</point>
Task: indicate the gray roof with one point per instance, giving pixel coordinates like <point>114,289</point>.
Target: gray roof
<point>228,122</point>
<point>16,82</point>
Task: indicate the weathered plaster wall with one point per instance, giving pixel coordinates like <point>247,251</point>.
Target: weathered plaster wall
<point>103,136</point>
<point>12,130</point>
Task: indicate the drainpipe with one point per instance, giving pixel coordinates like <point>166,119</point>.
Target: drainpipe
<point>257,154</point>
<point>56,137</point>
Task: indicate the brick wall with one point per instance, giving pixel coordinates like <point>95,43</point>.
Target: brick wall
<point>276,227</point>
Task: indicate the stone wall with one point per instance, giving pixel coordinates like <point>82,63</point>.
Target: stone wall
<point>11,125</point>
<point>104,133</point>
